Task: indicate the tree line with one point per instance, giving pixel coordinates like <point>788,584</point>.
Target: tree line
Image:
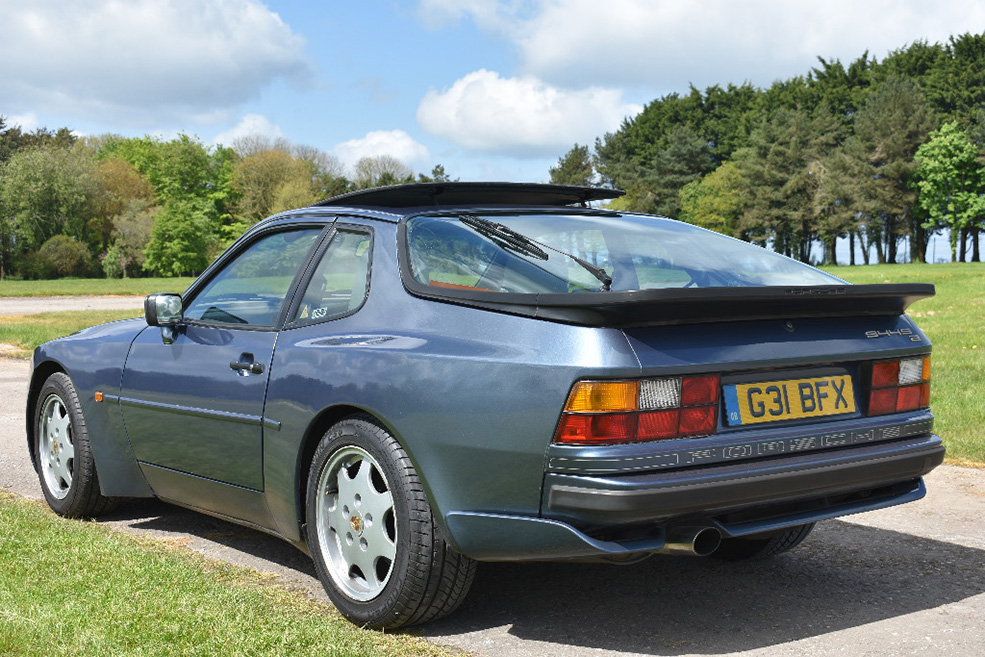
<point>119,207</point>
<point>881,153</point>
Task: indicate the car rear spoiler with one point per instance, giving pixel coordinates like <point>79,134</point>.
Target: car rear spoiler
<point>693,305</point>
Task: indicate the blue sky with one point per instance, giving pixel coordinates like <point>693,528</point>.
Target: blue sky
<point>491,89</point>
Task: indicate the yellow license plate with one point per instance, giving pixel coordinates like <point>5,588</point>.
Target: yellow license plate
<point>792,399</point>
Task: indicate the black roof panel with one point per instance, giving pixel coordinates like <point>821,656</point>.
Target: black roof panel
<point>471,193</point>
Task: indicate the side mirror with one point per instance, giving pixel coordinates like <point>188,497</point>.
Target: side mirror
<point>162,309</point>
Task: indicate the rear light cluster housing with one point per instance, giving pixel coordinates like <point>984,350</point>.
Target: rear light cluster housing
<point>633,411</point>
<point>899,385</point>
<point>613,412</point>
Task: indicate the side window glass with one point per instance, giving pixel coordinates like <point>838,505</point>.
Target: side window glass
<point>251,289</point>
<point>340,281</point>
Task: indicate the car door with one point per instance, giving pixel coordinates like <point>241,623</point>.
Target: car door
<point>193,397</point>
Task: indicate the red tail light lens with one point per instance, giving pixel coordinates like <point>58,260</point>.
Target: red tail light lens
<point>699,421</point>
<point>699,390</point>
<point>612,412</point>
<point>659,425</point>
<point>899,385</point>
<point>602,429</point>
<point>885,374</point>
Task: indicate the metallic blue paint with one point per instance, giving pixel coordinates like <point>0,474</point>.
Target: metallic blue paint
<point>474,397</point>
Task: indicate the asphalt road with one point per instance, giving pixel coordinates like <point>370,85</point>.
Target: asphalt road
<point>907,580</point>
<point>32,305</point>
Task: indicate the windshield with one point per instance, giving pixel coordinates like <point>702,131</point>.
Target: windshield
<point>638,253</point>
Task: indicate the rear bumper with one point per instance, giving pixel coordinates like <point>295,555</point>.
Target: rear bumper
<point>618,515</point>
<point>718,490</point>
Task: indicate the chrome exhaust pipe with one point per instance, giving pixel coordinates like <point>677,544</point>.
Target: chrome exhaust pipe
<point>695,541</point>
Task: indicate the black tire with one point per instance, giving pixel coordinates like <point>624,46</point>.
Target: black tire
<point>63,455</point>
<point>753,547</point>
<point>372,535</point>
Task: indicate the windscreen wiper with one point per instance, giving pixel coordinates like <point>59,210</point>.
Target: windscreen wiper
<point>504,236</point>
<point>508,238</point>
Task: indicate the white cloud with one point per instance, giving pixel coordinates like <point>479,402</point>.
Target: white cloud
<point>663,45</point>
<point>521,116</point>
<point>395,143</point>
<point>143,61</point>
<point>249,126</point>
<point>26,122</point>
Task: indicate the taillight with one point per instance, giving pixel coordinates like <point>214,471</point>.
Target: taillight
<point>899,385</point>
<point>610,412</point>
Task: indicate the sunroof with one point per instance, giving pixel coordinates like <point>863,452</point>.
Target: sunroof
<point>472,193</point>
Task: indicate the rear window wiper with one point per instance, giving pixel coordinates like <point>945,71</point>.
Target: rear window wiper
<point>508,238</point>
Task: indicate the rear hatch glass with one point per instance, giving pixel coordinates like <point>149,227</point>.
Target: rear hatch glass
<point>572,253</point>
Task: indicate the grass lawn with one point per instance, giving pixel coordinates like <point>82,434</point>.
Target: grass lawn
<point>70,287</point>
<point>28,331</point>
<point>78,588</point>
<point>955,321</point>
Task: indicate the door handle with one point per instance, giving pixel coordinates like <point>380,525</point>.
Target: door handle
<point>246,365</point>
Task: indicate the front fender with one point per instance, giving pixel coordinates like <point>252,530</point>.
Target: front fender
<point>94,359</point>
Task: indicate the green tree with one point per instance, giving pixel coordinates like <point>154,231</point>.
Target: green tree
<point>119,185</point>
<point>976,134</point>
<point>782,168</point>
<point>656,188</point>
<point>955,84</point>
<point>438,175</point>
<point>180,238</point>
<point>132,229</point>
<point>842,89</point>
<point>836,206</point>
<point>13,139</point>
<point>717,201</point>
<point>62,256</point>
<point>381,170</point>
<point>327,171</point>
<point>259,178</point>
<point>182,169</point>
<point>574,168</point>
<point>950,182</point>
<point>889,128</point>
<point>46,191</point>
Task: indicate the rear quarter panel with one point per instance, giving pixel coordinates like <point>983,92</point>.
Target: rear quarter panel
<point>473,396</point>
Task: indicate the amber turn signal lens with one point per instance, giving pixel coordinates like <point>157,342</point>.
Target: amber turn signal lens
<point>602,397</point>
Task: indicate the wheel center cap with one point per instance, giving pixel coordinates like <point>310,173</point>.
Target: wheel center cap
<point>356,522</point>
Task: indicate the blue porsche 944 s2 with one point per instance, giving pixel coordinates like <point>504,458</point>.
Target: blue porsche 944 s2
<point>407,380</point>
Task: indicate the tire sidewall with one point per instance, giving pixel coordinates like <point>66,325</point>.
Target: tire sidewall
<point>385,608</point>
<point>60,385</point>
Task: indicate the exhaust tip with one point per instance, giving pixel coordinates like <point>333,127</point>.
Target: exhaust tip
<point>697,541</point>
<point>706,541</point>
